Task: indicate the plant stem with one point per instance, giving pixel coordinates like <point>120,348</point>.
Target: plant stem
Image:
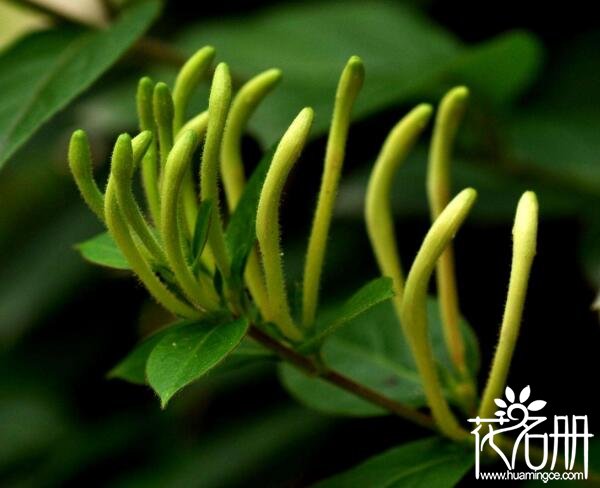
<point>159,51</point>
<point>347,384</point>
<point>311,367</point>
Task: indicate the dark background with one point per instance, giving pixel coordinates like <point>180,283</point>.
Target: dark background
<point>62,423</point>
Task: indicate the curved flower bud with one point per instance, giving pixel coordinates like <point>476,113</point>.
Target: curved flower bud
<point>378,209</point>
<point>178,163</point>
<point>449,116</point>
<point>524,245</point>
<point>122,170</point>
<point>267,221</point>
<point>350,83</point>
<point>232,167</point>
<point>119,230</point>
<point>162,103</point>
<point>187,80</point>
<point>80,162</point>
<point>242,108</point>
<point>150,164</point>
<point>198,125</point>
<point>218,107</point>
<point>414,307</point>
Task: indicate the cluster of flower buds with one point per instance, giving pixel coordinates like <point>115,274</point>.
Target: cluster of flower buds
<point>177,248</point>
<point>436,251</point>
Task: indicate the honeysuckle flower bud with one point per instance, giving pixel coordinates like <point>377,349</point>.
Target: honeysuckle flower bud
<point>267,221</point>
<point>414,308</point>
<point>349,85</point>
<point>187,80</point>
<point>122,170</point>
<point>243,106</point>
<point>197,124</point>
<point>524,245</point>
<point>449,116</point>
<point>176,168</point>
<point>80,162</point>
<point>378,208</point>
<point>218,107</point>
<point>232,168</point>
<point>119,229</point>
<point>150,163</point>
<point>162,103</point>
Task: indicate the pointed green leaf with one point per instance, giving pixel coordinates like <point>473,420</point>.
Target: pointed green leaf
<point>372,350</point>
<point>374,292</point>
<point>132,368</point>
<point>434,463</point>
<point>42,73</point>
<point>102,249</point>
<point>187,353</point>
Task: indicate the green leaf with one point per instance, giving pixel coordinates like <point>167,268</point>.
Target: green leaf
<point>514,56</point>
<point>374,292</point>
<point>556,135</point>
<point>187,353</point>
<point>433,462</point>
<point>562,145</point>
<point>132,368</point>
<point>102,250</point>
<point>201,232</point>
<point>372,351</point>
<point>42,73</point>
<point>241,230</point>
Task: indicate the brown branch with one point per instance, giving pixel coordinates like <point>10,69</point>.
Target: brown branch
<point>158,51</point>
<point>309,366</point>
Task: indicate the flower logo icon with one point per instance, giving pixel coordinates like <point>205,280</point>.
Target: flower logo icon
<point>504,405</point>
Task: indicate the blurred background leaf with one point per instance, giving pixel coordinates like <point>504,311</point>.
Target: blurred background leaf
<point>45,71</point>
<point>404,55</point>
